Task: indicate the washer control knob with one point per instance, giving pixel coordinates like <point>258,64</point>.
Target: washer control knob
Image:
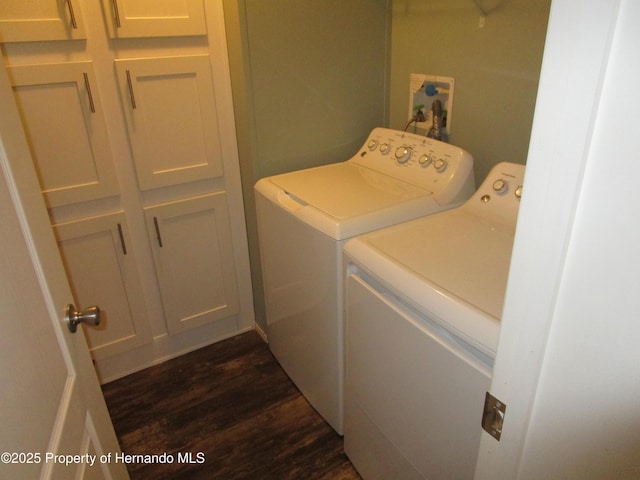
<point>440,165</point>
<point>385,148</point>
<point>403,154</point>
<point>425,160</point>
<point>500,186</point>
<point>373,143</point>
<point>518,191</point>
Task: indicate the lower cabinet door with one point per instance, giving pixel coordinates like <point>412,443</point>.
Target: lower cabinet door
<point>102,270</point>
<point>193,253</point>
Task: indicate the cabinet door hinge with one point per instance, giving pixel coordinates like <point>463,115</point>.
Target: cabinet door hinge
<point>493,416</point>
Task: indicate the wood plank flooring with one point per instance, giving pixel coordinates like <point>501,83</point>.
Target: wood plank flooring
<point>234,409</point>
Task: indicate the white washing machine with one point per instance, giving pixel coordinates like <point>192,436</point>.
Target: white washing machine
<point>305,217</point>
<point>423,304</point>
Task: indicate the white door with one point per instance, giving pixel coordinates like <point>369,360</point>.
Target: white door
<point>51,401</point>
<point>567,361</point>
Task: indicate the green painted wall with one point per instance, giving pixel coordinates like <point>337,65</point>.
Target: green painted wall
<point>309,83</point>
<point>318,78</point>
<point>496,69</point>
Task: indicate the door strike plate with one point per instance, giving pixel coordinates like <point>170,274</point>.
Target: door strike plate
<point>493,416</point>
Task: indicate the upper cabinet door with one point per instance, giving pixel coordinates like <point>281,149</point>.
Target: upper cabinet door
<point>34,20</point>
<point>160,18</point>
<point>170,109</point>
<point>62,117</point>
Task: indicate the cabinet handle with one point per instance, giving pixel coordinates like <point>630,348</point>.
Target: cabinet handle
<point>116,13</point>
<point>124,246</point>
<point>133,98</point>
<point>74,24</point>
<point>155,222</point>
<point>87,86</point>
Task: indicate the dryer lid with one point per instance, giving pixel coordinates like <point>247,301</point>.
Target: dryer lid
<point>346,190</point>
<point>457,251</point>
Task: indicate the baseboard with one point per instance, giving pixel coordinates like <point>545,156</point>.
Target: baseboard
<point>166,347</point>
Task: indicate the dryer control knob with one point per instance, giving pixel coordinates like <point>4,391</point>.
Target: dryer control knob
<point>403,154</point>
<point>440,165</point>
<point>385,148</point>
<point>500,186</point>
<point>518,191</point>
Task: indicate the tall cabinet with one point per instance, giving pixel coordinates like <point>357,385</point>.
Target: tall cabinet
<point>126,105</point>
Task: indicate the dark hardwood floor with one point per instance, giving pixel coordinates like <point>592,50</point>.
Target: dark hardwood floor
<point>230,406</point>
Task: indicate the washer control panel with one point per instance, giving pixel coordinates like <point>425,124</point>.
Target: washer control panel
<point>415,159</point>
<point>498,198</point>
<point>427,151</point>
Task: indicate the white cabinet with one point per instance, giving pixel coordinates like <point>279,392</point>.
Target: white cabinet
<point>101,267</point>
<point>193,255</point>
<point>142,18</point>
<point>142,129</point>
<point>31,20</point>
<point>62,116</point>
<point>170,109</point>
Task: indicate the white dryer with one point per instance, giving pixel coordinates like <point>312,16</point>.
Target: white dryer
<point>304,218</point>
<point>423,304</point>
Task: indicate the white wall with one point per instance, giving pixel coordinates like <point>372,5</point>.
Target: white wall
<point>568,363</point>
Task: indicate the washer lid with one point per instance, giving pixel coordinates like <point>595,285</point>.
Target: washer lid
<point>458,252</point>
<point>346,190</point>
